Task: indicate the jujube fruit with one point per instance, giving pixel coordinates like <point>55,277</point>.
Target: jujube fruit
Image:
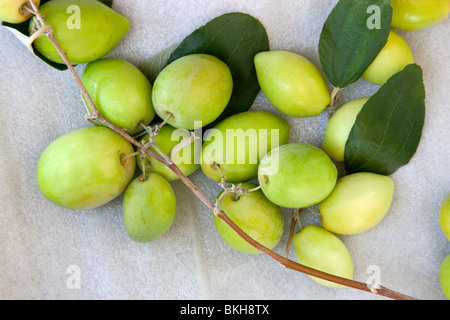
<point>84,169</point>
<point>234,147</point>
<point>292,83</point>
<point>121,93</point>
<point>100,30</point>
<point>193,91</point>
<point>259,218</point>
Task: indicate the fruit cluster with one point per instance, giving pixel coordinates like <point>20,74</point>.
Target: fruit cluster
<point>90,167</point>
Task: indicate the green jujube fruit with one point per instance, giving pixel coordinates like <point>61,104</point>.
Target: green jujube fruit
<point>292,83</point>
<point>259,218</point>
<point>393,58</point>
<point>84,38</point>
<point>149,208</point>
<point>187,159</point>
<point>418,14</point>
<point>297,175</point>
<point>121,93</point>
<point>83,169</point>
<point>444,216</point>
<point>321,250</point>
<point>193,91</point>
<point>358,203</point>
<point>444,276</point>
<point>339,127</point>
<point>234,147</point>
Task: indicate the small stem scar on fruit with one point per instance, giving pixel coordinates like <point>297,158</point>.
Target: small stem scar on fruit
<point>286,263</point>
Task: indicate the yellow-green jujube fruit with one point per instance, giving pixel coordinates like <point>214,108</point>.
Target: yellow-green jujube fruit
<point>85,168</point>
<point>121,93</point>
<point>187,159</point>
<point>321,250</point>
<point>418,14</point>
<point>292,83</point>
<point>444,276</point>
<point>193,91</point>
<point>253,213</point>
<point>358,203</point>
<point>444,216</point>
<point>12,11</point>
<point>339,127</point>
<point>297,175</point>
<point>393,58</point>
<point>149,208</point>
<point>89,31</point>
<point>234,148</point>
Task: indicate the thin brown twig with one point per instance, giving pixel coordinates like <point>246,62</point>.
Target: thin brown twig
<point>285,262</point>
<point>294,220</point>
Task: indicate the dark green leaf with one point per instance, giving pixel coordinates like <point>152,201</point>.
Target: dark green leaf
<point>388,130</point>
<point>351,39</point>
<point>235,38</point>
<point>152,67</point>
<point>109,3</point>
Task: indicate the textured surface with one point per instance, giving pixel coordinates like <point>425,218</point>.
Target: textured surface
<point>39,243</point>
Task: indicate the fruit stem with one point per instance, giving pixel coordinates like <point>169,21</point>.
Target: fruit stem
<point>335,96</point>
<point>295,218</point>
<point>152,142</point>
<point>27,8</point>
<point>237,190</point>
<point>184,143</point>
<point>285,262</point>
<point>125,157</point>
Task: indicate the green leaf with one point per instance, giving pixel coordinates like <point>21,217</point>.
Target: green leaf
<point>152,67</point>
<point>235,38</point>
<point>352,37</point>
<point>388,130</point>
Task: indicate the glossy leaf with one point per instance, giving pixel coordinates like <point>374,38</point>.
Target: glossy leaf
<point>152,67</point>
<point>388,129</point>
<point>352,37</point>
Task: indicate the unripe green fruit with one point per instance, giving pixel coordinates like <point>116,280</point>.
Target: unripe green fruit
<point>358,203</point>
<point>393,58</point>
<point>444,276</point>
<point>255,215</point>
<point>444,216</point>
<point>186,159</point>
<point>339,128</point>
<point>292,83</point>
<point>297,175</point>
<point>234,148</point>
<point>85,36</point>
<point>83,169</point>
<point>149,208</point>
<point>321,250</point>
<point>12,11</point>
<point>194,88</point>
<point>121,93</point>
<point>418,14</point>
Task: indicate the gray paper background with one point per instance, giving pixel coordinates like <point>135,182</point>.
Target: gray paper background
<point>40,243</point>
